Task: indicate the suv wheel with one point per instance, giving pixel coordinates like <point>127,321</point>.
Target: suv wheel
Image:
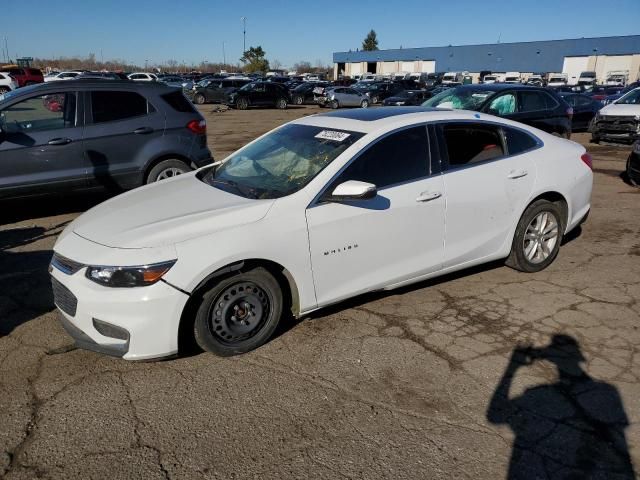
<point>242,103</point>
<point>167,169</point>
<point>239,313</point>
<point>537,239</point>
<point>199,99</point>
<point>281,103</point>
<point>298,100</point>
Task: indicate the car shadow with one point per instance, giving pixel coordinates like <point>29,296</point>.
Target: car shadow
<point>571,428</point>
<point>16,210</point>
<point>25,288</point>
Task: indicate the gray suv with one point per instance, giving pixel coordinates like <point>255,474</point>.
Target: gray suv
<point>94,134</point>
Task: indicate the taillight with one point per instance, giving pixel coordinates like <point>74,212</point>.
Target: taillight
<point>570,112</point>
<point>586,158</point>
<point>198,126</point>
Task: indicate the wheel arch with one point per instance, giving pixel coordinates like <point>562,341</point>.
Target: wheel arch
<point>553,197</point>
<point>283,276</point>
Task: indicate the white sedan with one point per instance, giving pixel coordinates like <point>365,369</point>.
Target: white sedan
<point>62,76</point>
<point>142,77</point>
<point>316,211</point>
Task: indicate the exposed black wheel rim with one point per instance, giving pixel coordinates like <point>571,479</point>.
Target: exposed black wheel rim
<point>239,312</point>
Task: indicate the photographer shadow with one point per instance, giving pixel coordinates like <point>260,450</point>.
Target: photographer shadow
<point>571,429</point>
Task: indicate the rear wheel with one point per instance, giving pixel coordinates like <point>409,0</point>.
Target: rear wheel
<point>537,239</point>
<point>242,103</point>
<point>239,313</point>
<point>298,100</point>
<point>281,103</point>
<point>167,169</point>
<point>374,99</point>
<point>364,103</point>
<point>199,99</point>
<point>334,104</point>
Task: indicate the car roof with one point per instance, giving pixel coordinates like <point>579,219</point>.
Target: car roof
<point>89,83</point>
<point>497,87</point>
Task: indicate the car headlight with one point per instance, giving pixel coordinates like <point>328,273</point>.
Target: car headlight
<point>127,277</point>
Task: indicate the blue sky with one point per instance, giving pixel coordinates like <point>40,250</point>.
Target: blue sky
<point>289,31</point>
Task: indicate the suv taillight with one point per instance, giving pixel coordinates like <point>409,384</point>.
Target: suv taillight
<point>586,158</point>
<point>570,112</point>
<point>198,126</point>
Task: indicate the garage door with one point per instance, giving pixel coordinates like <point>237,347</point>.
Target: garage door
<point>408,67</point>
<point>616,62</point>
<point>428,66</point>
<point>355,68</point>
<point>574,66</point>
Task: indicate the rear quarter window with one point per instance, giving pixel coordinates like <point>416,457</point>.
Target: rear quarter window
<point>178,102</point>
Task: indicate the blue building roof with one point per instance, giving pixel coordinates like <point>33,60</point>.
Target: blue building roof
<point>542,56</point>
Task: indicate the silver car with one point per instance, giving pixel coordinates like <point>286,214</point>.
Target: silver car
<point>336,97</point>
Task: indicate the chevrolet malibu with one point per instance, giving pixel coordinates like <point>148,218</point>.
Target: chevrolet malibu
<point>316,211</point>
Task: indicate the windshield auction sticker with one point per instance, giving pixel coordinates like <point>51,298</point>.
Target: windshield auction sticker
<point>333,135</point>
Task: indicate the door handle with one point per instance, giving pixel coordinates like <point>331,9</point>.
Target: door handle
<point>59,141</point>
<point>517,174</point>
<point>428,196</point>
<point>143,130</point>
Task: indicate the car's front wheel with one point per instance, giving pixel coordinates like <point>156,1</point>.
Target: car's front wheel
<point>281,103</point>
<point>537,239</point>
<point>199,99</point>
<point>242,103</point>
<point>298,100</point>
<point>334,104</point>
<point>239,313</point>
<point>167,169</point>
<point>4,90</point>
<point>374,99</point>
<point>364,103</point>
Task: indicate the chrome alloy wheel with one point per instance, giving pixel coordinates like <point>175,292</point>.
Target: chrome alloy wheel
<point>169,173</point>
<point>540,237</point>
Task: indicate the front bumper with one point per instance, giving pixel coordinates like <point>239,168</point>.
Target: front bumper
<point>616,129</point>
<point>136,323</point>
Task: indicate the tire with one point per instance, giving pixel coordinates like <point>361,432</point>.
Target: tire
<point>334,104</point>
<point>167,169</point>
<point>364,104</point>
<point>242,103</point>
<point>525,255</point>
<point>374,100</point>
<point>4,90</point>
<point>220,330</point>
<point>595,139</point>
<point>630,179</point>
<point>298,100</point>
<point>199,99</point>
<point>281,103</point>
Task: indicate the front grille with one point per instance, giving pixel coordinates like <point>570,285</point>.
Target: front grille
<point>63,298</point>
<point>613,123</point>
<point>65,265</point>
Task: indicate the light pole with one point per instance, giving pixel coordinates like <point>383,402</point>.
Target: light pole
<point>244,34</point>
<point>145,65</point>
<point>224,57</point>
<point>595,67</point>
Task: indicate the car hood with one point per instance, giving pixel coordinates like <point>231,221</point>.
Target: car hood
<point>166,213</point>
<point>620,109</point>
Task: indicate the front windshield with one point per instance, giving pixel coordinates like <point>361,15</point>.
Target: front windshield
<point>281,163</point>
<point>460,98</point>
<point>631,98</point>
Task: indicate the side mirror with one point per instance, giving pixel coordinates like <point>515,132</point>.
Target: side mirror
<point>352,190</point>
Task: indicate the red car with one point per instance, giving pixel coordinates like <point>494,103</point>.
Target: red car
<point>24,76</point>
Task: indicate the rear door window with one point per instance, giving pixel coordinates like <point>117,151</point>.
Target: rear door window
<point>533,102</point>
<point>469,143</point>
<point>503,105</point>
<point>109,106</point>
<point>518,141</point>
